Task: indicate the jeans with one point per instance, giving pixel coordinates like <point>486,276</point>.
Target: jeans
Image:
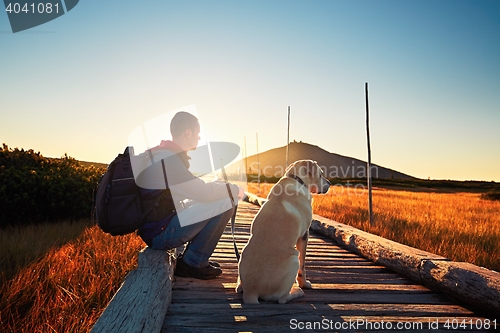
<point>202,236</point>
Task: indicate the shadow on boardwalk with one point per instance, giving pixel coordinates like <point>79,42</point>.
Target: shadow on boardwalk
<point>350,294</point>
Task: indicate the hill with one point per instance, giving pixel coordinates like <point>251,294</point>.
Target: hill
<point>95,164</point>
<point>272,163</point>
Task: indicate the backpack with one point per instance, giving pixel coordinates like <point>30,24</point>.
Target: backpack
<point>118,209</point>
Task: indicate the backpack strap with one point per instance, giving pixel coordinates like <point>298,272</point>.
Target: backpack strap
<point>156,202</point>
<point>164,173</point>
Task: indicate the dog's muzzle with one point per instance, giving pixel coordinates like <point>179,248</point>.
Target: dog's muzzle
<point>325,185</point>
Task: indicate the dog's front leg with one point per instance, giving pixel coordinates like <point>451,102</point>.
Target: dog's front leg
<point>301,247</point>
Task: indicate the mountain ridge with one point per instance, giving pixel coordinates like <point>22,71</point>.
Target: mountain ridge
<point>272,163</point>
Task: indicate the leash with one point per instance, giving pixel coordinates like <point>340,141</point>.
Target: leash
<point>235,208</point>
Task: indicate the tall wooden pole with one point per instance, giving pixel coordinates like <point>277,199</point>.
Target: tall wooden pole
<point>258,159</point>
<point>245,156</point>
<point>369,172</point>
<point>243,160</point>
<point>287,138</point>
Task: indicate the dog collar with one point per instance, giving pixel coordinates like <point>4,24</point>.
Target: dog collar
<point>297,178</point>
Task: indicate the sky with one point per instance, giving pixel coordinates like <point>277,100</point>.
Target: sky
<point>84,82</point>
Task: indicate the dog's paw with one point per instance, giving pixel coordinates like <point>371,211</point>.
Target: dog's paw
<point>298,292</point>
<point>294,293</point>
<point>306,284</point>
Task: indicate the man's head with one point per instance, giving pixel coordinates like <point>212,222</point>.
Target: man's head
<point>185,130</point>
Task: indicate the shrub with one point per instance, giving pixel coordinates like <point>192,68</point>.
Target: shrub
<point>492,195</point>
<point>35,188</point>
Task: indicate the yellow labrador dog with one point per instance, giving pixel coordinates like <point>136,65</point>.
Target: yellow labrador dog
<point>274,256</point>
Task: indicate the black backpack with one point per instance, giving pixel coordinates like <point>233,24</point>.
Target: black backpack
<point>118,209</point>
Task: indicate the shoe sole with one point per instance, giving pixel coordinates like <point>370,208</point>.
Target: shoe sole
<point>181,272</point>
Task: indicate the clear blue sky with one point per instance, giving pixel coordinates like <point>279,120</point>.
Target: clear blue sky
<point>82,83</point>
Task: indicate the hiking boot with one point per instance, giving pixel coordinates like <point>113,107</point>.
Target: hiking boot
<point>211,263</point>
<point>204,273</point>
<point>214,263</point>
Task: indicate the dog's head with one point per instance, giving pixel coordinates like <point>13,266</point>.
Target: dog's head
<point>311,174</point>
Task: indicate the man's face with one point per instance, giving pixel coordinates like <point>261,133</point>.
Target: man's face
<point>193,136</point>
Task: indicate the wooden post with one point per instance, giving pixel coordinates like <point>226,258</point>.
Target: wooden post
<point>258,159</point>
<point>245,156</point>
<point>368,173</point>
<point>287,139</point>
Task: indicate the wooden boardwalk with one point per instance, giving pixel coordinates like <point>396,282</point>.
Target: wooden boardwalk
<point>350,294</point>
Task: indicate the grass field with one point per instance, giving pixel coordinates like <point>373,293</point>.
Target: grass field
<point>460,226</point>
<point>68,286</point>
<point>20,246</point>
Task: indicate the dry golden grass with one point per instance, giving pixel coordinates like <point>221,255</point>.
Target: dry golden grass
<point>68,288</point>
<point>22,245</point>
<point>459,226</point>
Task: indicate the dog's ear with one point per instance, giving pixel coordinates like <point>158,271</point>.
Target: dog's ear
<point>304,168</point>
<point>300,168</point>
<point>313,170</point>
<point>297,168</point>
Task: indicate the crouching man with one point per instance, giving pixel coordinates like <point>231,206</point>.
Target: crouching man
<point>191,211</point>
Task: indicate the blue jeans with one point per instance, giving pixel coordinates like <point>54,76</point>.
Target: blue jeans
<point>202,236</point>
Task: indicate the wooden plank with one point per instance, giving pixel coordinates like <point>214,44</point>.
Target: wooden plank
<point>318,295</point>
<point>141,303</point>
<point>404,310</point>
<point>398,257</point>
<point>416,310</point>
<point>467,282</point>
<point>229,288</point>
<point>464,281</point>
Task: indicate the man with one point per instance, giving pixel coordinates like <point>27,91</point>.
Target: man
<point>190,211</point>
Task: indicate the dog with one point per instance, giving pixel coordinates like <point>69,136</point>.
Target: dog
<point>274,257</point>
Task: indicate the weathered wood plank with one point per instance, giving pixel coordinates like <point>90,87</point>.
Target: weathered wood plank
<point>415,310</point>
<point>343,288</point>
<point>466,282</point>
<point>478,286</point>
<point>319,295</point>
<point>398,257</point>
<point>141,302</point>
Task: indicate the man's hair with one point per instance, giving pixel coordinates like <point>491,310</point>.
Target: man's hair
<point>181,122</point>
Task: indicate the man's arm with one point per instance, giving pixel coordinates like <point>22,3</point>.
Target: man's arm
<point>198,190</point>
<point>183,184</point>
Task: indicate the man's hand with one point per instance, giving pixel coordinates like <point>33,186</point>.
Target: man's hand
<point>241,193</point>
